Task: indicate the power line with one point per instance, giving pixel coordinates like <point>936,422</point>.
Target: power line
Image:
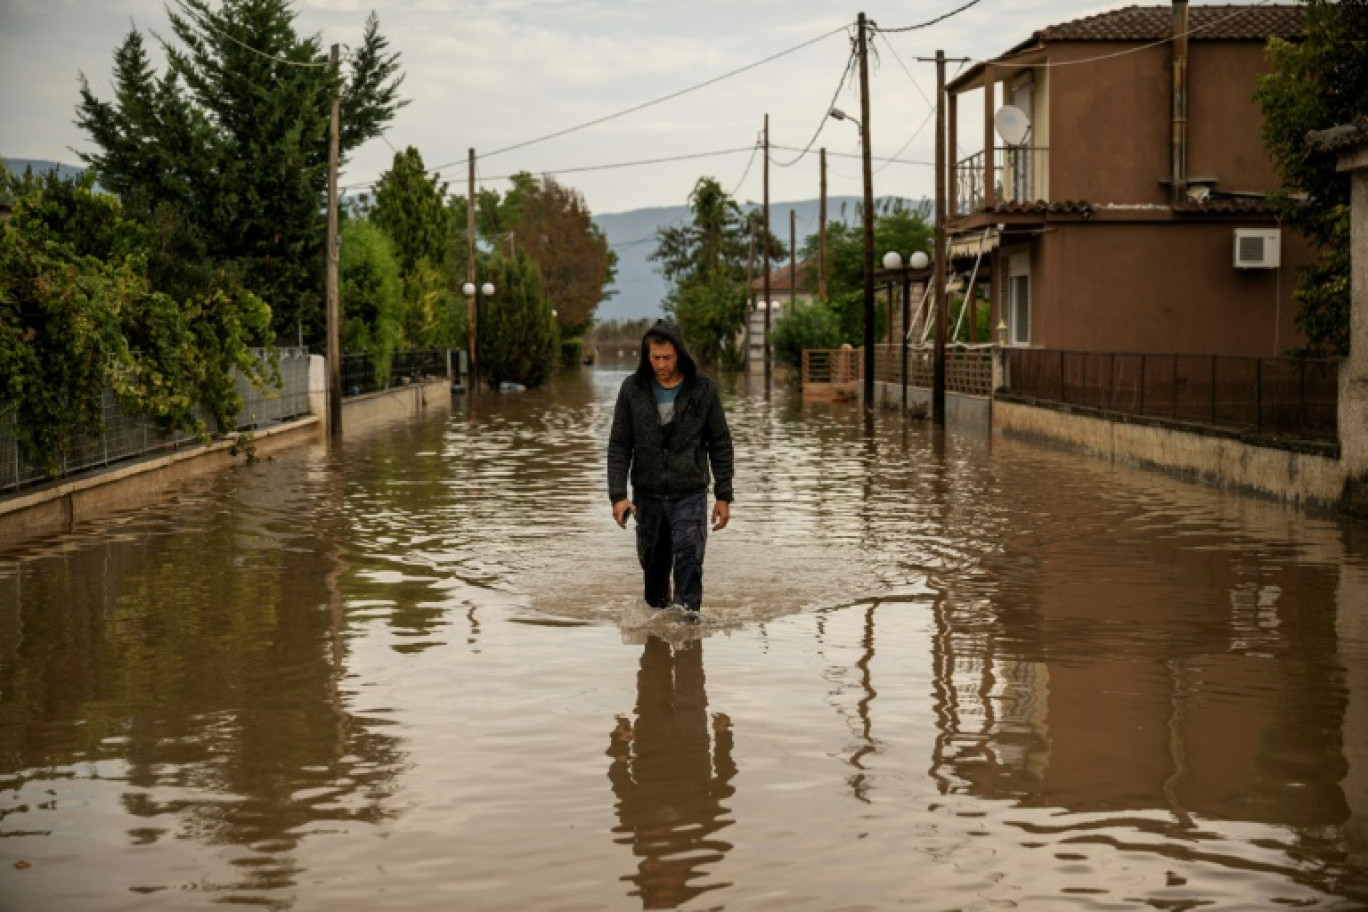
<point>656,101</point>
<point>882,158</point>
<point>603,167</point>
<point>929,22</point>
<point>915,133</point>
<point>746,173</point>
<point>634,164</point>
<point>826,114</point>
<point>201,20</point>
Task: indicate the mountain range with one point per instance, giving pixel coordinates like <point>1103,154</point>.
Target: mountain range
<point>640,289</point>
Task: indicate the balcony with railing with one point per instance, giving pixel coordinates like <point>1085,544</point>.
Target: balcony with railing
<point>1018,175</point>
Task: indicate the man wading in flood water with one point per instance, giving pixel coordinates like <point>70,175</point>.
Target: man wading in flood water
<point>668,428</point>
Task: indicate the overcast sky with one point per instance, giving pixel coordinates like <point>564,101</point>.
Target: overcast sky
<point>495,73</point>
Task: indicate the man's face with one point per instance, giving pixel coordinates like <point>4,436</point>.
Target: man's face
<point>664,361</point>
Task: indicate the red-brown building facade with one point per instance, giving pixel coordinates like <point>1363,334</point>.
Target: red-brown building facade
<point>1130,214</point>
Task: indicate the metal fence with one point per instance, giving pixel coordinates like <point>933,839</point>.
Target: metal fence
<point>127,436</point>
<point>358,369</point>
<point>1296,398</point>
<point>1018,175</point>
<point>968,368</point>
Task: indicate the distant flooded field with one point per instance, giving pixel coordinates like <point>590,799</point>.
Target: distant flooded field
<point>934,672</point>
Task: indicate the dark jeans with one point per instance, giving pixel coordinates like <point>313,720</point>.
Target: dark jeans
<point>671,538</point>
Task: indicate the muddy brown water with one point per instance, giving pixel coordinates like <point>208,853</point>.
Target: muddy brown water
<point>934,673</point>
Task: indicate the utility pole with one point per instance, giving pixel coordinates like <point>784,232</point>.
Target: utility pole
<point>765,243</point>
<point>821,237</point>
<point>793,260</point>
<point>471,310</point>
<point>868,218</point>
<point>938,273</point>
<point>330,259</point>
<point>750,291</point>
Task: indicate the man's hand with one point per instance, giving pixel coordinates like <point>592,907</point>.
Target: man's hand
<point>621,509</point>
<point>721,515</point>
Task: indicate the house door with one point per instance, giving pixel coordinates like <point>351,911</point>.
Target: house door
<point>1019,299</point>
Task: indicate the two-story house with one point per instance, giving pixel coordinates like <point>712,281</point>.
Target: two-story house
<point>1120,192</point>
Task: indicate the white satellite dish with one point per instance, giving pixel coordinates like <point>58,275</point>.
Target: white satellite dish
<point>1012,124</point>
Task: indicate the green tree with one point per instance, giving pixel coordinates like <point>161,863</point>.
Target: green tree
<point>704,261</point>
<point>232,141</point>
<point>518,338</point>
<point>410,206</point>
<point>897,226</point>
<point>808,326</point>
<point>556,231</point>
<point>78,315</point>
<point>1314,84</point>
<point>372,293</point>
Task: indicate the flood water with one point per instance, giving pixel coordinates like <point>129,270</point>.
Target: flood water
<point>935,672</point>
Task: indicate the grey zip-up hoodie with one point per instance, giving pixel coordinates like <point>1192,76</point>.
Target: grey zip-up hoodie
<point>699,438</point>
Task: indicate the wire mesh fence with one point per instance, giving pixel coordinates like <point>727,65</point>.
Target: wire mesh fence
<point>128,436</point>
<point>1294,398</point>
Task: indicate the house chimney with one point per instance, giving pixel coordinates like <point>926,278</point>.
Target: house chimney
<point>1178,179</point>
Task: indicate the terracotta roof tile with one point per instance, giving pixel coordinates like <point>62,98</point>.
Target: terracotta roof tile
<point>1038,207</point>
<point>779,278</point>
<point>1205,23</point>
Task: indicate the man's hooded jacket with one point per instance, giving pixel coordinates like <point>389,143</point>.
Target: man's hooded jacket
<point>675,465</point>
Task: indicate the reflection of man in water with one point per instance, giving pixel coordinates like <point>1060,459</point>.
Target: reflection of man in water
<point>669,784</point>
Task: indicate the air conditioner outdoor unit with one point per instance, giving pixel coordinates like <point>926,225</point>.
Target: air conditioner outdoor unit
<point>1257,248</point>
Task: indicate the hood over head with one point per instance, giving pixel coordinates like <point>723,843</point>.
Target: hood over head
<point>687,366</point>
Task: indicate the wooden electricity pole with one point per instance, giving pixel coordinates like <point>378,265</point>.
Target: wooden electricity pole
<point>863,46</point>
<point>938,274</point>
<point>330,259</point>
<point>750,288</point>
<point>471,310</point>
<point>793,260</point>
<point>821,237</point>
<point>765,243</point>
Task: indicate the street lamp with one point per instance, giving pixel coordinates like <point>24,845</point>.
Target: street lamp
<point>867,175</point>
<point>893,262</point>
<point>838,114</point>
<point>472,309</point>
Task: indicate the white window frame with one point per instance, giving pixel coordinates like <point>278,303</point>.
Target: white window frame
<point>1018,310</point>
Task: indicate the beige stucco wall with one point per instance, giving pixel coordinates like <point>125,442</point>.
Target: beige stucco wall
<point>1300,478</point>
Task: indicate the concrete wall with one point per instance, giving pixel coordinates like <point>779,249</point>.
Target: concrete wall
<point>1309,479</point>
<point>56,508</point>
<point>962,413</point>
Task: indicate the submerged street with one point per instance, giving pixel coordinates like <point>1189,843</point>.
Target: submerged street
<point>934,671</point>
